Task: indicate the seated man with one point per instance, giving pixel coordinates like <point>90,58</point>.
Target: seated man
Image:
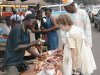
<point>17,42</point>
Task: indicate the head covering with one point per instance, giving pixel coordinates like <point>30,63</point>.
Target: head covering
<point>28,12</point>
<point>29,16</point>
<point>32,10</point>
<point>16,17</point>
<point>25,21</point>
<point>67,2</point>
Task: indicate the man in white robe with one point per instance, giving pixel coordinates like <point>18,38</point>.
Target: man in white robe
<point>80,18</point>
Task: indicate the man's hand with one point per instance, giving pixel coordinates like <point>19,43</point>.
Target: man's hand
<point>35,43</point>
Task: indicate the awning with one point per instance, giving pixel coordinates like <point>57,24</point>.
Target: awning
<point>29,2</point>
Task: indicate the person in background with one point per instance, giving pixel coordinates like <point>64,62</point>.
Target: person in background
<point>80,18</point>
<point>77,57</point>
<point>15,15</point>
<point>50,28</point>
<point>22,16</point>
<point>17,42</point>
<point>8,20</point>
<point>37,7</point>
<point>40,22</point>
<point>32,10</point>
<point>28,11</point>
<point>37,29</point>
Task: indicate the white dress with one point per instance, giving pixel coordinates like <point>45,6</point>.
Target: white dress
<point>75,39</point>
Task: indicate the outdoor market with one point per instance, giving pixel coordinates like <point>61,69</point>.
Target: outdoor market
<point>43,37</point>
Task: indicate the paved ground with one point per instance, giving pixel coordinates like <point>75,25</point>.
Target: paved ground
<point>96,50</point>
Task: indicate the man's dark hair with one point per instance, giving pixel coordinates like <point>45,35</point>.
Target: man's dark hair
<point>39,11</point>
<point>38,5</point>
<point>48,9</point>
<point>14,11</point>
<point>28,8</point>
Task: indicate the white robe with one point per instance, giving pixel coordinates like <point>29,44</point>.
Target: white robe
<point>81,19</point>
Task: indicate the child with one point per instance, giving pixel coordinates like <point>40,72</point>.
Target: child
<point>78,57</point>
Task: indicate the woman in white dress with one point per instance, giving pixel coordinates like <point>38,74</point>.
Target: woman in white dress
<point>78,57</point>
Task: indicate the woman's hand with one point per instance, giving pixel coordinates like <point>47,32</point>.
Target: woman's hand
<point>44,30</point>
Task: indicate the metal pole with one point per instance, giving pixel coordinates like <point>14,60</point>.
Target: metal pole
<point>20,6</point>
<point>7,1</point>
<point>15,3</point>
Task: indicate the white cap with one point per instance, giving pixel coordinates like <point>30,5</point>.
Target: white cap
<point>28,12</point>
<point>67,2</point>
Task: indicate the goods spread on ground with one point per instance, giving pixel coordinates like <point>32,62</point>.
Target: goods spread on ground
<point>50,63</point>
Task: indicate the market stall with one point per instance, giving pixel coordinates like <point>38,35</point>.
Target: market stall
<point>50,63</point>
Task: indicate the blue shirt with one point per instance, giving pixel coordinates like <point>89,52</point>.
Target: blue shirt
<point>16,37</point>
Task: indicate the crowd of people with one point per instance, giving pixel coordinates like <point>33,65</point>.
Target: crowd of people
<point>70,32</point>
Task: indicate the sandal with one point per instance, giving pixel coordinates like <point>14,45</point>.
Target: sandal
<point>76,72</point>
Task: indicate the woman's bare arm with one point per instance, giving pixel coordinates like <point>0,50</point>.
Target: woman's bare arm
<point>55,24</point>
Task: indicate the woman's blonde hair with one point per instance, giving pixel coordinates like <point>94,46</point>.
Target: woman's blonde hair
<point>64,19</point>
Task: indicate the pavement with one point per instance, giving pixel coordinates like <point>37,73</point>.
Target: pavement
<point>95,49</point>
